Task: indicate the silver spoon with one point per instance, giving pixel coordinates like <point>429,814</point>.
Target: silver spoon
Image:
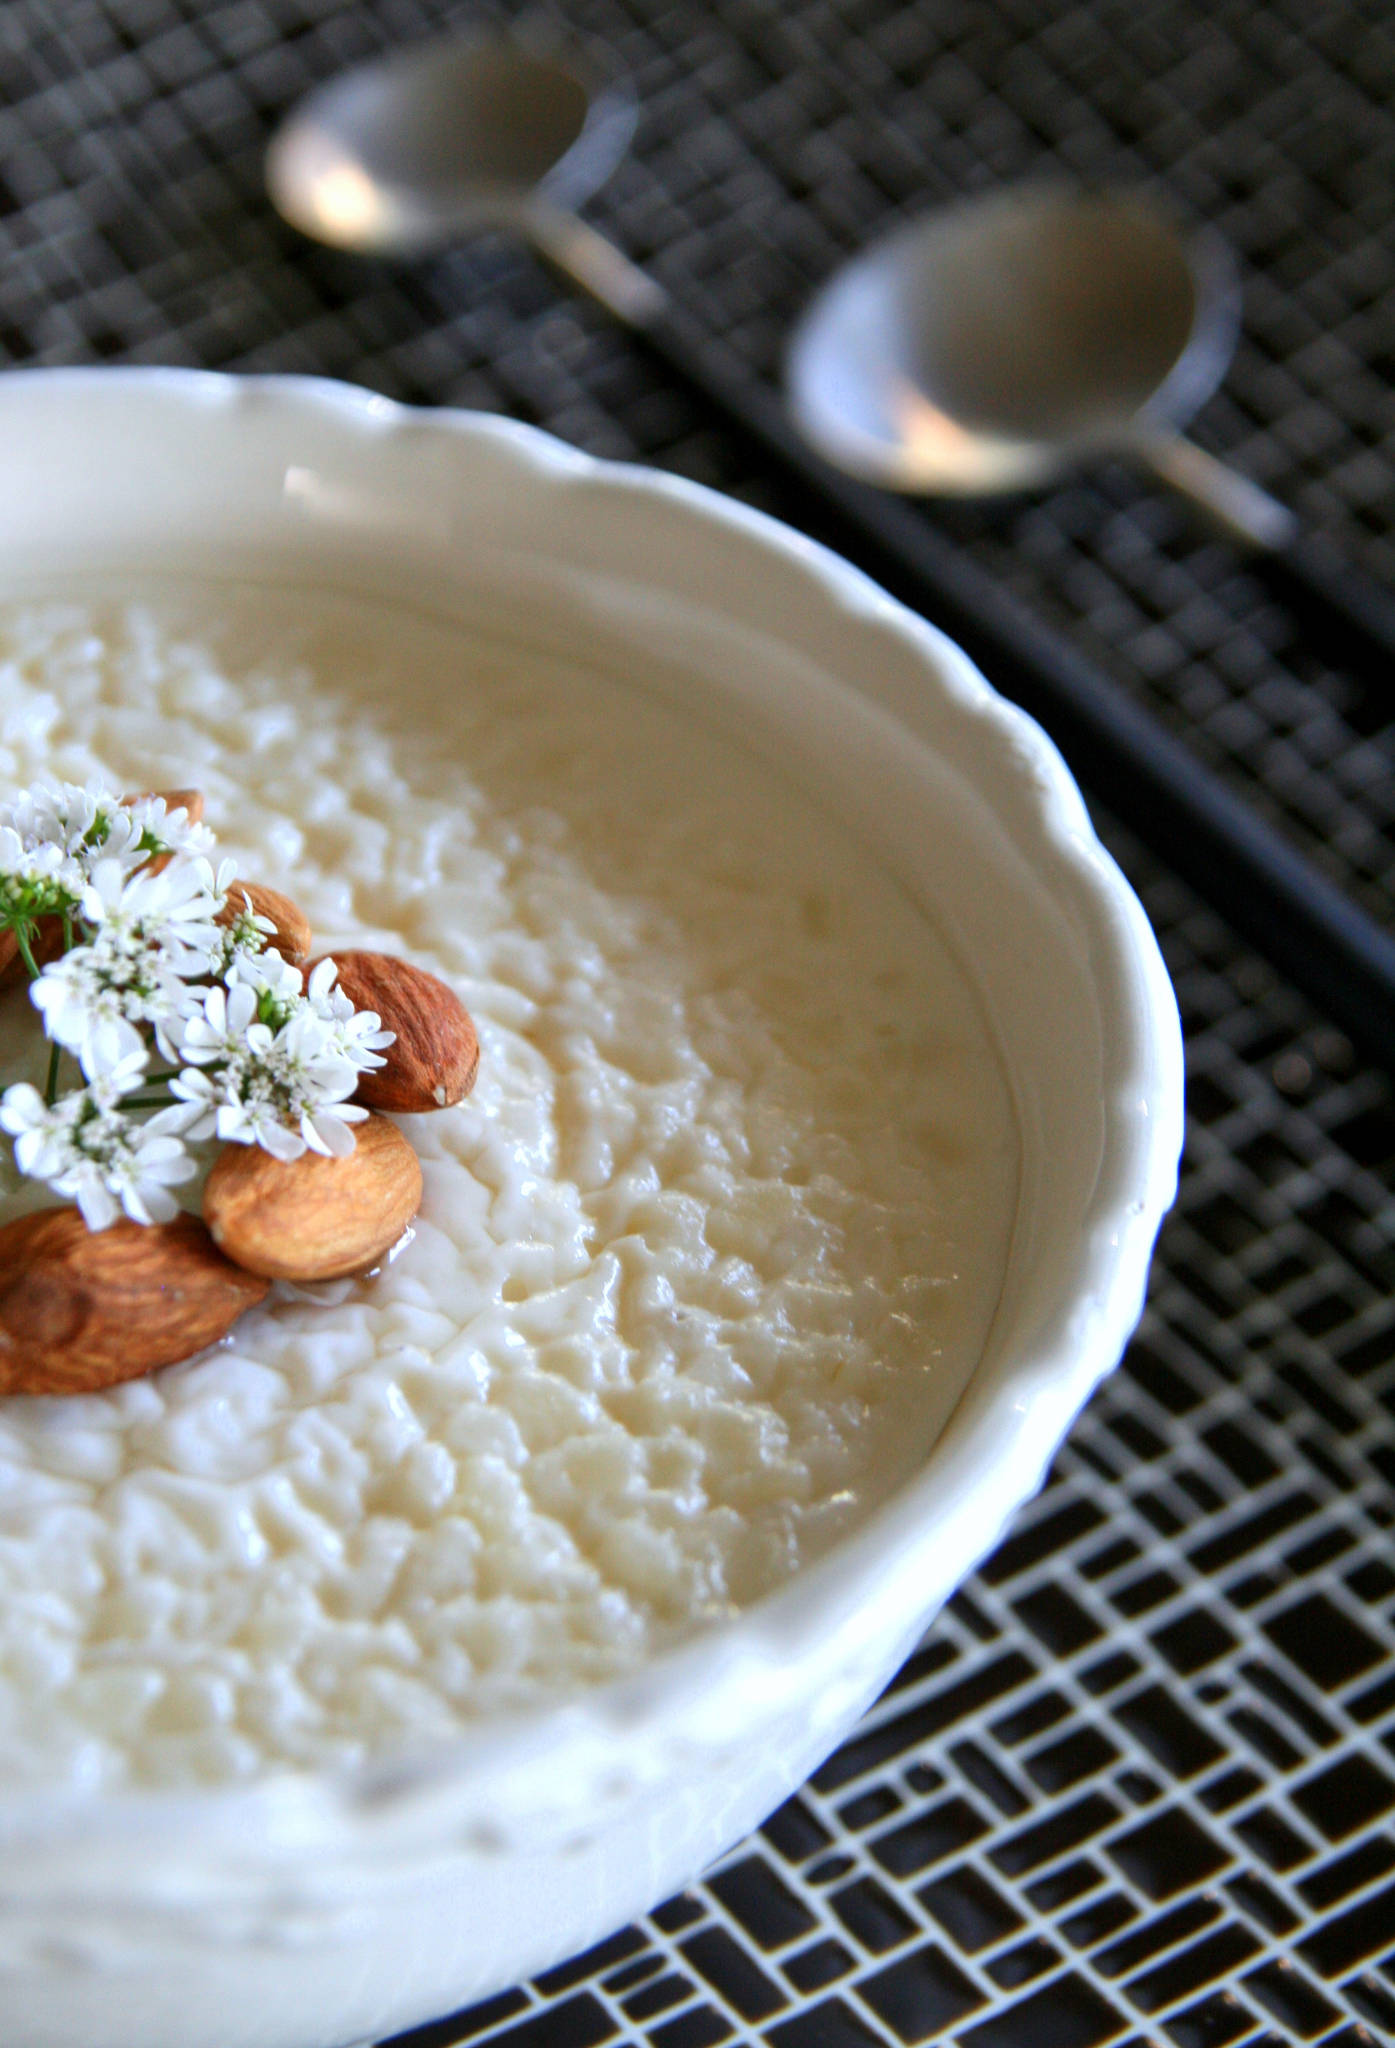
<point>996,343</point>
<point>400,156</point>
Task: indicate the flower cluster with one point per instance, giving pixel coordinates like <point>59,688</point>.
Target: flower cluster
<point>147,956</point>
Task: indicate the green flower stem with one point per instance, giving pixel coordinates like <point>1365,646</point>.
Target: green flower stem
<point>51,1085</point>
<point>25,951</point>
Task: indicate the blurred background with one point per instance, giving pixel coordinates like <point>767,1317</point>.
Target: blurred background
<point>1138,1783</point>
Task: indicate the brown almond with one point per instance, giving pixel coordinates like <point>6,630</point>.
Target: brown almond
<point>85,1309</point>
<point>314,1218</point>
<point>292,935</point>
<point>436,1057</point>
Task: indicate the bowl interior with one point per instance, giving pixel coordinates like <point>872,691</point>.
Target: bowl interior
<point>805,663</point>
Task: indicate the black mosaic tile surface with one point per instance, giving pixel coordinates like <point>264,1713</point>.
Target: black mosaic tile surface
<point>1138,1783</point>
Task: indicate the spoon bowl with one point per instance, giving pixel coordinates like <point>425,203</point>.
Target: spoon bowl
<point>989,346</point>
<point>405,153</point>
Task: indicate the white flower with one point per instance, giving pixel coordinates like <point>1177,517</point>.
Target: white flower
<point>246,934</point>
<point>158,829</point>
<point>149,932</point>
<point>35,881</point>
<point>92,823</point>
<point>89,1150</point>
<point>357,1035</point>
<point>263,1059</point>
<point>278,1080</point>
<point>173,908</point>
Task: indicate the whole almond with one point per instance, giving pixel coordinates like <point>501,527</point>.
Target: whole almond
<point>85,1309</point>
<point>292,935</point>
<point>314,1218</point>
<point>436,1057</point>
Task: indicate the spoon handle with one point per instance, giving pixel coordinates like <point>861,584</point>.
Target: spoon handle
<point>1236,861</point>
<point>1349,613</point>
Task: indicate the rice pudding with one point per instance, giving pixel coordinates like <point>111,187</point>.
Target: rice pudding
<point>700,1266</point>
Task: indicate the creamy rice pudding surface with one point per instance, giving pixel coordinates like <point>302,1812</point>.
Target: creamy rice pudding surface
<point>727,1212</point>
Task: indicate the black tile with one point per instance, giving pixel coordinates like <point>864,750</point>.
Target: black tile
<point>580,2022</point>
<point>1020,1965</point>
<point>1211,2023</point>
<point>677,1913</point>
<point>823,1962</point>
<point>1066,2013</point>
<point>657,1997</point>
<point>1081,1754</point>
<point>1261,1902</point>
<point>1107,1673</point>
<point>795,1832</point>
<point>1237,1449</point>
<point>1042,1711</point>
<point>1137,1596</point>
<point>1052,1533</point>
<point>1158,1932</point>
<point>920,1994</point>
<point>871,1915</point>
<point>1365,1931</point>
<point>1207,1961</point>
<point>831,2024</point>
<point>1229,1789</point>
<point>1271,1837</point>
<point>940,1831</point>
<point>971,1910</point>
<point>1193,1641</point>
<point>1295,2002</point>
<point>1072,1881</point>
<point>1165,1728</point>
<point>1350,1873</point>
<point>930,1718</point>
<point>721,1961</point>
<point>762,1903</point>
<point>1326,1644</point>
<point>1063,1829</point>
<point>1097,1922</point>
<point>703,2027</point>
<point>1167,1854</point>
<point>1346,1796</point>
<point>868,1808</point>
<point>1057,1620</point>
<point>973,1762</point>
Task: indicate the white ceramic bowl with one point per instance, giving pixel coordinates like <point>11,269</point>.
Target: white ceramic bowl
<point>317,1910</point>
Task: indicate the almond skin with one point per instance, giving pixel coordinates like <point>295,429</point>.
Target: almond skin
<point>436,1058</point>
<point>85,1309</point>
<point>314,1218</point>
<point>292,935</point>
